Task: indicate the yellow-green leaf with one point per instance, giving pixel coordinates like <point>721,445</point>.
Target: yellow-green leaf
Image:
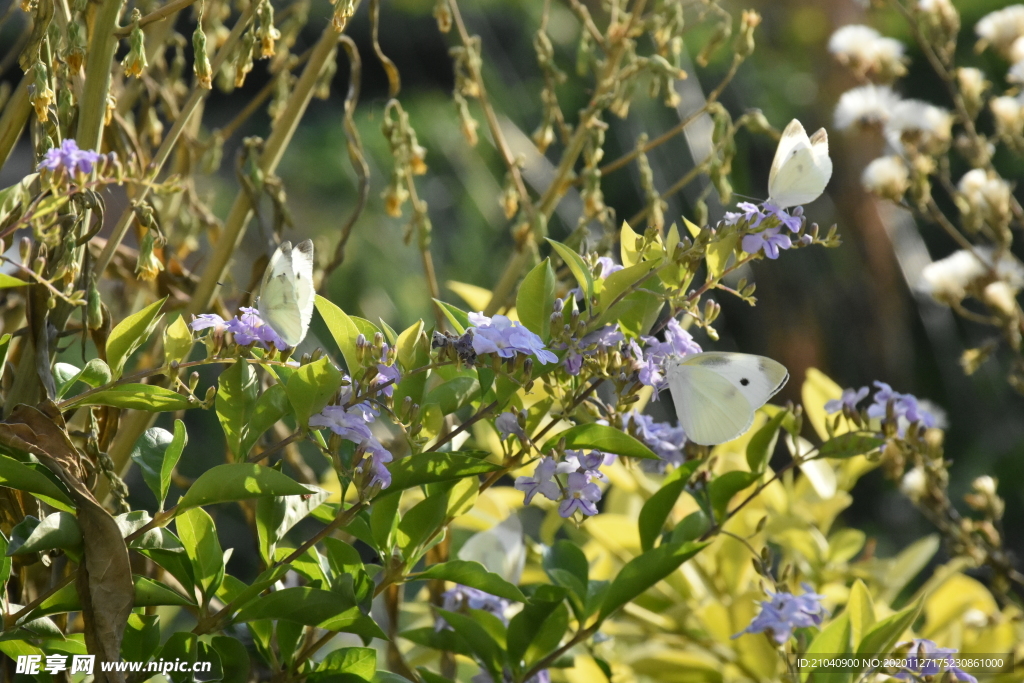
<point>129,334</point>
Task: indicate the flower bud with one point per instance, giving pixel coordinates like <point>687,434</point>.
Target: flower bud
<point>42,96</point>
<point>443,15</point>
<point>267,33</point>
<point>972,87</point>
<point>75,54</point>
<point>148,265</point>
<point>203,70</point>
<point>135,61</point>
<point>887,177</point>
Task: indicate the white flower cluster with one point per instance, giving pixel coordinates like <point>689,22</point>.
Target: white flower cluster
<point>995,279</point>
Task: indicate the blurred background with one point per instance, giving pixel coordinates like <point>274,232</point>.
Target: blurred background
<point>852,312</point>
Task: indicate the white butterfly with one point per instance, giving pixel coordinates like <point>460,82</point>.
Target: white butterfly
<point>287,295</point>
<point>801,167</point>
<point>717,393</point>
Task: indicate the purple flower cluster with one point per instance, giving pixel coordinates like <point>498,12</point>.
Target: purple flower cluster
<point>928,659</point>
<point>771,239</point>
<point>604,338</point>
<point>907,408</point>
<point>678,343</point>
<point>665,440</point>
<point>580,492</point>
<point>508,425</point>
<point>785,612</point>
<point>352,423</point>
<point>70,159</point>
<point>506,338</point>
<point>387,376</point>
<point>247,328</point>
<point>606,266</point>
<point>461,597</point>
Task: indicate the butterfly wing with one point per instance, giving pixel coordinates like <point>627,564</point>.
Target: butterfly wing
<point>716,394</point>
<point>710,409</point>
<point>801,167</point>
<point>286,296</point>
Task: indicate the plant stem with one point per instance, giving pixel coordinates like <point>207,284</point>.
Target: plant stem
<point>156,15</point>
<point>102,47</point>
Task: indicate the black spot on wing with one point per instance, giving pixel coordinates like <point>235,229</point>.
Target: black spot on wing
<point>744,381</point>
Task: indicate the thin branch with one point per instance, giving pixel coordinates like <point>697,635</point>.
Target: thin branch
<point>156,15</point>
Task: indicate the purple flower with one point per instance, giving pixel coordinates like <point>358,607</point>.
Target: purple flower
<point>792,222</point>
<point>248,328</point>
<point>351,424</point>
<point>749,213</point>
<point>379,474</point>
<point>678,342</point>
<point>588,464</point>
<point>461,597</point>
<point>581,495</point>
<point>207,320</point>
<point>849,400</point>
<point>907,408</point>
<point>541,482</point>
<point>785,612</point>
<point>70,159</point>
<point>506,338</point>
<point>507,425</point>
<point>607,336</point>
<point>665,440</point>
<point>606,266</point>
<point>649,368</point>
<point>768,240</point>
<point>385,374</point>
<point>927,659</point>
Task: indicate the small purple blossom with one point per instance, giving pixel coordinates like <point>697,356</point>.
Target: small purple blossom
<point>506,338</point>
<point>462,597</point>
<point>350,423</point>
<point>604,338</point>
<point>205,321</point>
<point>749,213</point>
<point>665,440</point>
<point>848,401</point>
<point>386,374</point>
<point>541,482</point>
<point>379,474</point>
<point>507,424</point>
<point>606,266</point>
<point>589,464</point>
<point>69,158</point>
<point>678,342</point>
<point>784,612</point>
<point>907,408</point>
<point>649,368</point>
<point>769,240</point>
<point>582,495</point>
<point>793,222</point>
<point>927,659</point>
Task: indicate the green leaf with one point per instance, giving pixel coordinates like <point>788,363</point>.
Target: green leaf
<point>58,530</point>
<point>8,281</point>
<point>19,194</point>
<point>861,609</point>
<point>271,406</point>
<point>95,373</point>
<point>365,327</point>
<point>177,341</point>
<point>832,641</point>
<point>312,607</point>
<point>276,516</point>
<point>358,661</point>
<point>620,281</point>
<point>762,444</point>
<point>693,526</point>
<point>311,386</point>
<point>384,519</point>
<point>849,445</point>
<point>602,438</point>
<point>239,481</point>
<point>342,328</point>
<point>420,522</point>
<point>237,388</point>
<point>389,332</point>
<point>657,508</point>
<point>908,564</point>
<point>723,487</point>
<point>234,659</point>
<point>577,267</point>
<point>129,334</point>
<point>457,317</point>
<point>434,467</point>
<point>183,647</point>
<point>474,575</point>
<point>141,637</point>
<point>636,313</point>
<point>627,246</point>
<point>199,536</point>
<point>156,453</point>
<point>16,475</point>
<point>883,635</point>
<point>413,349</point>
<point>718,254</point>
<point>148,593</point>
<point>478,639</point>
<point>454,394</point>
<point>645,570</point>
<point>527,624</point>
<point>407,343</point>
<point>536,299</point>
<point>567,566</point>
<point>445,640</point>
<point>5,563</point>
<point>147,397</point>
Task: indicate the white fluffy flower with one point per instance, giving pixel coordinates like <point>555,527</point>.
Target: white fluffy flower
<point>983,197</point>
<point>973,85</point>
<point>866,51</point>
<point>1001,28</point>
<point>1016,73</point>
<point>914,484</point>
<point>919,123</point>
<point>865,106</point>
<point>1016,51</point>
<point>1001,296</point>
<point>1008,113</point>
<point>948,278</point>
<point>887,177</point>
